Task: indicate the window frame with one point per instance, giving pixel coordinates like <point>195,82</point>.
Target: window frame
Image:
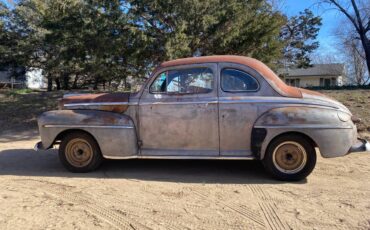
<point>238,91</point>
<point>176,93</point>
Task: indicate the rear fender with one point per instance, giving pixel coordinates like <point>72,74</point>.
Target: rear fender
<point>319,124</point>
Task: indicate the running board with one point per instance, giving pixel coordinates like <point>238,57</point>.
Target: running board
<point>183,157</point>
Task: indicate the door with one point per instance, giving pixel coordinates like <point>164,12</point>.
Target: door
<point>239,95</point>
<point>327,82</point>
<point>178,112</point>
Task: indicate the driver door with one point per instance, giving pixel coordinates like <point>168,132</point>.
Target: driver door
<point>178,112</point>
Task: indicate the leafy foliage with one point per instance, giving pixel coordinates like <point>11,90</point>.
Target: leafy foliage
<point>300,34</point>
<point>88,42</point>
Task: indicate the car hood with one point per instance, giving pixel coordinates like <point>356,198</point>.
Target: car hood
<point>114,102</point>
<point>323,99</point>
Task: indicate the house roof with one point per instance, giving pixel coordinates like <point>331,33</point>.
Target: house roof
<point>334,69</point>
<point>261,68</point>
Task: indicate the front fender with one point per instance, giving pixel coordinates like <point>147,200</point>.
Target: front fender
<point>115,133</point>
<point>322,125</point>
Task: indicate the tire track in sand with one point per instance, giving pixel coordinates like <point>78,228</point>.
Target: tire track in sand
<point>254,216</point>
<point>64,192</point>
<point>269,209</point>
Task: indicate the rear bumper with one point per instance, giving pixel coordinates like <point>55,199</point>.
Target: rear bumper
<point>39,146</point>
<point>361,145</point>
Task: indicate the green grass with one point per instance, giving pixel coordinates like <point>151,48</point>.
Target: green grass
<point>15,92</point>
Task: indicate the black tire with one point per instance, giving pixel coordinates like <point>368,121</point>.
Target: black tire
<point>293,156</point>
<point>77,146</point>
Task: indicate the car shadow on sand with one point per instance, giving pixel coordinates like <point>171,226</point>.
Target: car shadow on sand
<point>27,162</point>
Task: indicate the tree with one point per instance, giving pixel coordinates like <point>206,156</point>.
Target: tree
<point>300,34</point>
<point>353,54</point>
<point>358,13</point>
<point>81,43</point>
<point>88,40</point>
<point>13,46</point>
<point>175,29</point>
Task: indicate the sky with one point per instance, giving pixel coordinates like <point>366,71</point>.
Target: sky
<point>331,20</point>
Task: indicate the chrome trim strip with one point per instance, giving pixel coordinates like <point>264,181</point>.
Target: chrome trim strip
<point>99,104</point>
<point>302,127</point>
<point>242,101</point>
<point>181,157</point>
<point>120,158</point>
<point>179,103</point>
<point>72,94</point>
<point>283,102</point>
<point>90,126</point>
<point>222,100</point>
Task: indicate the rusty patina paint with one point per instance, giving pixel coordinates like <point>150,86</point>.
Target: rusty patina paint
<point>92,101</point>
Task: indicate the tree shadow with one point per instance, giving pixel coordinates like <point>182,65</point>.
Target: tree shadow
<point>18,135</point>
<point>27,162</point>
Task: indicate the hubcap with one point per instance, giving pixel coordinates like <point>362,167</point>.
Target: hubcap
<point>79,152</point>
<point>289,157</point>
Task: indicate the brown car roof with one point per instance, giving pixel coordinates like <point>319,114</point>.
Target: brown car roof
<point>261,68</point>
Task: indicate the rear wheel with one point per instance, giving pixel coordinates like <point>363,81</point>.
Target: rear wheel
<point>79,152</point>
<point>290,157</point>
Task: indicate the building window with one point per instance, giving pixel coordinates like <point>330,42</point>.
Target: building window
<point>293,82</point>
<point>321,81</point>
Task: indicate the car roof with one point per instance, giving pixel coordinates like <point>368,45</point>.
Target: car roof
<point>278,84</point>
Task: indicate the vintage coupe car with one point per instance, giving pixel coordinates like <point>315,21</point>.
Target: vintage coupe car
<point>216,107</point>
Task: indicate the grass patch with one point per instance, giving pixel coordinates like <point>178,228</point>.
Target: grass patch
<point>19,109</point>
<point>357,101</point>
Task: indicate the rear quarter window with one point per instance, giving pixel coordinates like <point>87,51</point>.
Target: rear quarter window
<point>234,80</point>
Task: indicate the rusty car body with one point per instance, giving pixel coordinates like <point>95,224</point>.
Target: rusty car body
<point>216,107</point>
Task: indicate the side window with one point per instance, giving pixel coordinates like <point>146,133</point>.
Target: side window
<point>184,81</point>
<point>233,80</point>
<point>159,85</point>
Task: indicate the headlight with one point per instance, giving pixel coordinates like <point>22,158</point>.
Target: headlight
<point>344,116</point>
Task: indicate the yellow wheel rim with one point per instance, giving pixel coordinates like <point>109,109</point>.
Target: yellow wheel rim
<point>289,157</point>
<point>79,152</point>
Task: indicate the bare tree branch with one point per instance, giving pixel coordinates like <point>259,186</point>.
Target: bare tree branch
<point>367,28</point>
<point>344,11</point>
<point>357,12</point>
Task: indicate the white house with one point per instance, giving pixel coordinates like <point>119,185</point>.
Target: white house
<point>33,79</point>
<point>318,75</point>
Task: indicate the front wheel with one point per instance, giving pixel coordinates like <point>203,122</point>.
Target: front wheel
<point>80,153</point>
<point>290,157</point>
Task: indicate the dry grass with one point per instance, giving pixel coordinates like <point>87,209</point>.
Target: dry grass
<point>19,109</point>
<point>358,102</point>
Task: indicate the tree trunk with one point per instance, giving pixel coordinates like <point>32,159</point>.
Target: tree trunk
<point>50,83</point>
<point>74,85</point>
<point>65,81</point>
<point>57,82</point>
<point>125,83</point>
<point>96,82</point>
<point>366,44</point>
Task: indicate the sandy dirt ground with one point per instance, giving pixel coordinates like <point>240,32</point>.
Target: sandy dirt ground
<point>38,193</point>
